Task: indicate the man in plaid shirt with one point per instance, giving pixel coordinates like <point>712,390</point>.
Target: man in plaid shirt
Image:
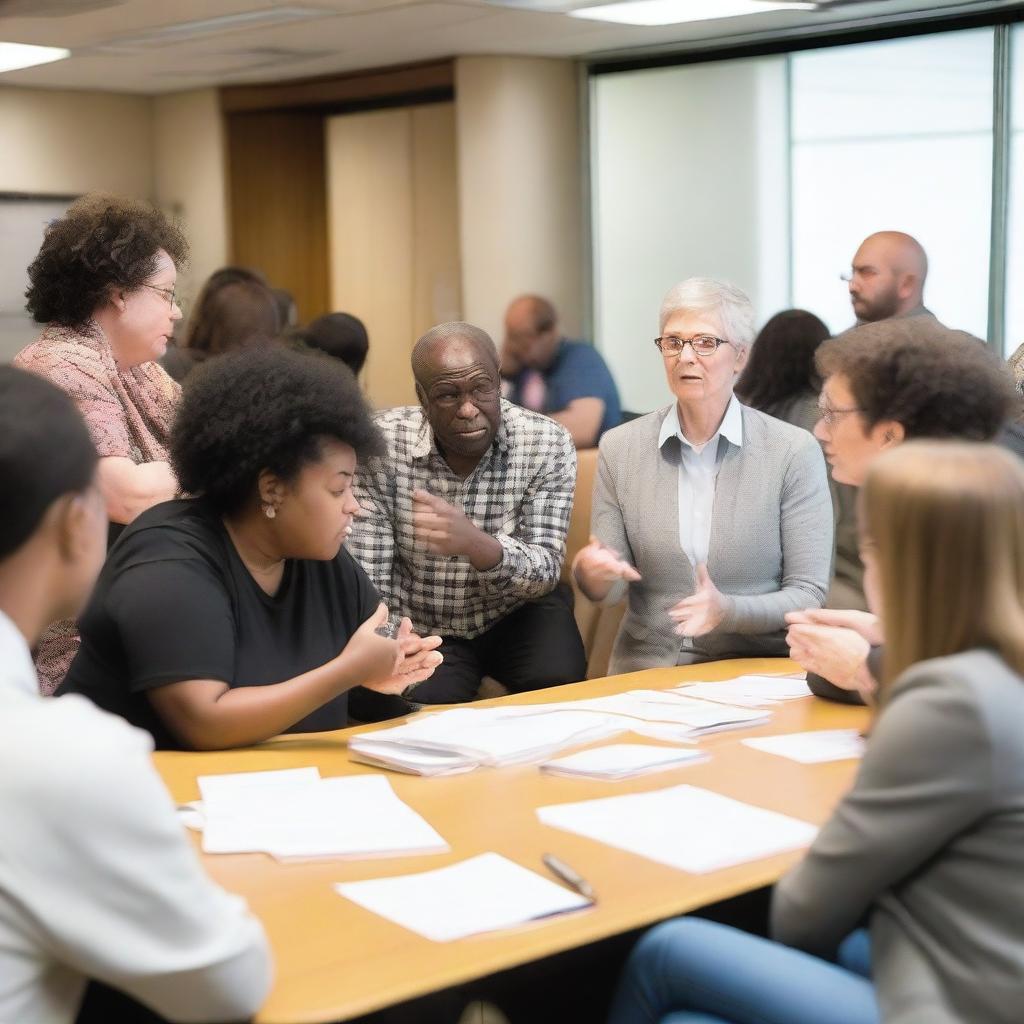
<point>463,527</point>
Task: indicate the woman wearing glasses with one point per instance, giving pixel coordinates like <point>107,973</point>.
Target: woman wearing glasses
<point>714,517</point>
<point>885,383</point>
<point>926,851</point>
<point>103,286</point>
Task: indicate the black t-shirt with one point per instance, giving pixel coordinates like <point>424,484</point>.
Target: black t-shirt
<point>174,601</point>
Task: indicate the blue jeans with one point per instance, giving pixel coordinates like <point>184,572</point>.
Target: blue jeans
<point>691,971</point>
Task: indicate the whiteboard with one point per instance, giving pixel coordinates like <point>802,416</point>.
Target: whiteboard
<point>22,222</point>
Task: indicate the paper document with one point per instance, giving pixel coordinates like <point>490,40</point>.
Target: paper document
<point>306,816</point>
<point>813,747</point>
<point>655,706</point>
<point>216,787</point>
<point>470,737</point>
<point>481,894</point>
<point>684,827</point>
<point>748,691</point>
<point>621,761</point>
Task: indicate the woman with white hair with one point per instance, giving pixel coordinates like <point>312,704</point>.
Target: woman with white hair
<point>714,518</point>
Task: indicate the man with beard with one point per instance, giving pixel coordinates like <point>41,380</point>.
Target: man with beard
<point>887,278</point>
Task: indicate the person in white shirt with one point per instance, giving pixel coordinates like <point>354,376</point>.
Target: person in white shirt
<point>97,878</point>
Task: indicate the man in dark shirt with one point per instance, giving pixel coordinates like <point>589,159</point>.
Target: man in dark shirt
<point>545,372</point>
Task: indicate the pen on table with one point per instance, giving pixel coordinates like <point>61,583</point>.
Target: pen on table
<point>562,870</point>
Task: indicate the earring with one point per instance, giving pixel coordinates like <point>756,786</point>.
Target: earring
<point>269,511</point>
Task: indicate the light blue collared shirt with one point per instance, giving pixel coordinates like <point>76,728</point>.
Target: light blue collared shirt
<point>698,471</point>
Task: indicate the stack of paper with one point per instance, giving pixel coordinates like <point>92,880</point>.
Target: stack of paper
<point>813,747</point>
<point>481,894</point>
<point>621,761</point>
<point>295,813</point>
<point>748,691</point>
<point>683,826</point>
<point>657,707</point>
<point>466,738</point>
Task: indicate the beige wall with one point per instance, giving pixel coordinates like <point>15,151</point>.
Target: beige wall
<point>168,149</point>
<point>190,176</point>
<point>65,143</point>
<point>517,129</point>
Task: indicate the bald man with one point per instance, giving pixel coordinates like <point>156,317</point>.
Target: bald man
<point>463,528</point>
<point>566,380</point>
<point>887,277</point>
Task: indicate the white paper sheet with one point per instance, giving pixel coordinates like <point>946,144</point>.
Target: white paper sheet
<point>412,760</point>
<point>655,706</point>
<point>227,786</point>
<point>815,747</point>
<point>358,816</point>
<point>482,894</point>
<point>683,826</point>
<point>749,691</point>
<point>488,735</point>
<point>664,731</point>
<point>621,761</point>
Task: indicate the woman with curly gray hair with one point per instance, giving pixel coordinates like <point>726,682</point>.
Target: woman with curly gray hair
<point>103,284</point>
<point>715,516</point>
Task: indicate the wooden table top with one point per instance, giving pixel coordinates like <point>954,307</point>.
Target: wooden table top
<point>335,960</point>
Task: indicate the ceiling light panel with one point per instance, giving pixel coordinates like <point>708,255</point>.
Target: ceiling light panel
<point>15,56</point>
<point>675,12</point>
<point>187,31</point>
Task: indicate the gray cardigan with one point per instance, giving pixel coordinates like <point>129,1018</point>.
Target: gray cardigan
<point>771,538</point>
<point>929,846</point>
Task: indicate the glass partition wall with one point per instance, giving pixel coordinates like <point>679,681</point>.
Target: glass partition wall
<point>769,171</point>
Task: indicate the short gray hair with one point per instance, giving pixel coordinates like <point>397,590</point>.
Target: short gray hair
<point>720,299</point>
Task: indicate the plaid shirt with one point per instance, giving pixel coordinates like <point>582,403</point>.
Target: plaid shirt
<point>520,493</point>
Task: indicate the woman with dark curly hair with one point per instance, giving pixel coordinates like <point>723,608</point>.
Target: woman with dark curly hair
<point>235,309</point>
<point>222,620</point>
<point>103,283</point>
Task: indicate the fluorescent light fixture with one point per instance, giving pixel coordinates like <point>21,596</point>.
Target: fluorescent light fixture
<point>186,31</point>
<point>673,12</point>
<point>14,56</point>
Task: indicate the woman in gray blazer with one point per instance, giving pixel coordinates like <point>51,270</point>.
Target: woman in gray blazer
<point>927,849</point>
<point>714,518</point>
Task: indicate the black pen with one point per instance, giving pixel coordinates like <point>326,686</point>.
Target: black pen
<point>562,871</point>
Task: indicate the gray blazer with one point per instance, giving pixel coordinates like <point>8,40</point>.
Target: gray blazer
<point>771,538</point>
<point>929,847</point>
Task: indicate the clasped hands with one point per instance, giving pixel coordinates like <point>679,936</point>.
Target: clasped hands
<point>834,644</point>
<point>390,664</point>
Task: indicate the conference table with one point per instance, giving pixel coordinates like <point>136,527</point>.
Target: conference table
<point>336,960</point>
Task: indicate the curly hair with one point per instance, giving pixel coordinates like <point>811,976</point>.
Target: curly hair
<point>936,382</point>
<point>101,242</point>
<point>264,409</point>
<point>781,362</point>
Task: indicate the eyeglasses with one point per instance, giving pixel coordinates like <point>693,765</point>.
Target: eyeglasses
<point>847,276</point>
<point>702,344</point>
<point>170,294</point>
<point>829,415</point>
